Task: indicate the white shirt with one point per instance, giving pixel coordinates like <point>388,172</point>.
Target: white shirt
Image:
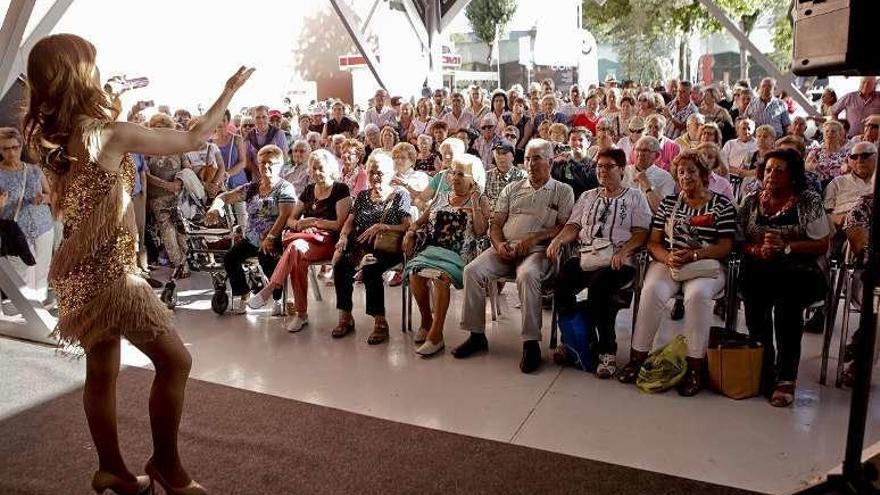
<point>735,152</point>
<point>570,109</point>
<point>386,117</point>
<point>465,121</point>
<point>844,191</point>
<point>661,180</point>
<point>610,218</point>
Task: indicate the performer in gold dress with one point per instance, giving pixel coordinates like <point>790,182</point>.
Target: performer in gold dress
<point>69,125</point>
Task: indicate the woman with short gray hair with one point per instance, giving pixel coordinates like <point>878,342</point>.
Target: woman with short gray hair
<point>26,193</point>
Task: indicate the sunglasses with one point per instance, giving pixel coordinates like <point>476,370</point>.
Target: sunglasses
<point>636,131</point>
<point>488,127</point>
<point>248,125</point>
<point>512,137</point>
<point>860,156</point>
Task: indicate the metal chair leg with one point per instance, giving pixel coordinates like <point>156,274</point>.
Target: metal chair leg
<point>838,277</point>
<point>493,298</point>
<point>844,325</point>
<point>554,324</point>
<point>313,280</point>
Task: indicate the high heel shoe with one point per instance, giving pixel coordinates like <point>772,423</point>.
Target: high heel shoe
<point>192,488</point>
<point>103,481</point>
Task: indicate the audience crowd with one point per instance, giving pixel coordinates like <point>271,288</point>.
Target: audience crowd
<point>468,190</point>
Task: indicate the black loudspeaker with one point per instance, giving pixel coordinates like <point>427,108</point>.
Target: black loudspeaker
<point>12,103</point>
<point>837,37</point>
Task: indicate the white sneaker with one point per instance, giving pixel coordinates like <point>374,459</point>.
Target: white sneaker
<point>278,309</point>
<point>420,336</point>
<point>256,301</point>
<point>240,305</point>
<point>607,366</point>
<point>429,348</point>
<point>297,323</point>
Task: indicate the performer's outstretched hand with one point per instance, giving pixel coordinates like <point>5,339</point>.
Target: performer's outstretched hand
<point>239,78</point>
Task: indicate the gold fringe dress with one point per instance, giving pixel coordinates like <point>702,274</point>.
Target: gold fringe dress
<point>94,273</point>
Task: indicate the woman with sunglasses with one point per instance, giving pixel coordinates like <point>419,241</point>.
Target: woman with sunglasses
<point>381,208</point>
<point>609,223</point>
<point>636,129</point>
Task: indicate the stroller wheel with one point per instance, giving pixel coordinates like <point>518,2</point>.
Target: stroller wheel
<point>169,295</point>
<point>220,301</point>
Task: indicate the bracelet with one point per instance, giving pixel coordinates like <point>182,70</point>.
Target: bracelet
<point>696,255</point>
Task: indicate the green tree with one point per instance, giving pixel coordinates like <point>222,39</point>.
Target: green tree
<point>488,18</point>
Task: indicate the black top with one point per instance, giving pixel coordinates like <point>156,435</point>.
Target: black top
<point>341,127</point>
<point>323,208</point>
<point>580,175</point>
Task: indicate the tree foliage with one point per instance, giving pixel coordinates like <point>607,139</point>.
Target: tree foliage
<point>322,39</point>
<point>662,21</point>
<point>488,17</point>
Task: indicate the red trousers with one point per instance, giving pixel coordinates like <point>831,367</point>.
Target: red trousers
<point>300,250</point>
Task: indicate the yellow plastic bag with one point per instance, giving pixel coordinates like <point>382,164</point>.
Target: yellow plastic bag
<point>664,368</point>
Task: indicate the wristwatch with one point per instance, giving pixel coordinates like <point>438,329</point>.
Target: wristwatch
<point>649,190</point>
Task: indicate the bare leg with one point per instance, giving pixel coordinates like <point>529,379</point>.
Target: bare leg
<point>419,287</point>
<point>172,362</point>
<point>441,306</point>
<point>99,402</point>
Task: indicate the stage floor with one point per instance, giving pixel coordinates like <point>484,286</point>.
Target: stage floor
<point>745,444</point>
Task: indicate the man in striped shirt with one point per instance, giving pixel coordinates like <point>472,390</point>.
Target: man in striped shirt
<point>769,110</point>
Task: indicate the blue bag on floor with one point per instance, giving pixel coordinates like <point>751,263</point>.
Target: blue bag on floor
<point>578,340</point>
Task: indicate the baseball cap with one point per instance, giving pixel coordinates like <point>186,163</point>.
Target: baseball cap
<point>636,124</point>
<point>488,120</point>
<point>503,146</point>
<point>274,113</point>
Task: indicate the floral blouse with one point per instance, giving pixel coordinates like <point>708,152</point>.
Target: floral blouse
<point>451,228</point>
<point>828,164</point>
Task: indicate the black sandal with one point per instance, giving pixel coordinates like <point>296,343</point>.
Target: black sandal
<point>379,335</point>
<point>691,384</point>
<point>342,329</point>
<point>630,372</point>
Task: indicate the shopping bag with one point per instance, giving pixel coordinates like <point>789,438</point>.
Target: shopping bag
<point>734,364</point>
<point>578,340</point>
<point>664,368</point>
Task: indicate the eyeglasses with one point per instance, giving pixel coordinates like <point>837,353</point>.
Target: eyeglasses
<point>858,157</point>
<point>245,126</point>
<point>534,158</point>
<point>512,137</point>
<point>644,150</point>
<point>486,127</point>
<point>636,131</point>
<point>457,174</point>
<point>377,173</point>
<point>11,148</point>
<point>606,166</point>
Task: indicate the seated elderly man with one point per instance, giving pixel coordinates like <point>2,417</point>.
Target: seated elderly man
<point>870,132</point>
<point>503,174</point>
<point>844,191</point>
<point>645,175</point>
<point>529,213</point>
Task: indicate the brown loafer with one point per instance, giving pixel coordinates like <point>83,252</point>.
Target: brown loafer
<point>342,329</point>
<point>379,335</point>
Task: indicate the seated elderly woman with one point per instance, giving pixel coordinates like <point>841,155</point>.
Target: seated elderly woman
<point>163,193</point>
<point>691,137</point>
<point>405,175</point>
<point>609,223</point>
<point>829,160</point>
<point>690,233</point>
<point>711,156</point>
<point>353,174</point>
<point>314,222</point>
<point>455,228</point>
<point>269,201</point>
<point>449,148</point>
<point>370,242</point>
<point>786,235</point>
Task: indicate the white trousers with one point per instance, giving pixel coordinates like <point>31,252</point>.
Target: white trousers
<point>699,294</point>
<point>36,277</point>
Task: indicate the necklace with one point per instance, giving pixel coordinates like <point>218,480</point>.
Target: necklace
<point>772,207</point>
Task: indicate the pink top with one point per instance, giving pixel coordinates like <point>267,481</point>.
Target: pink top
<point>669,149</point>
<point>720,185</point>
<point>356,181</point>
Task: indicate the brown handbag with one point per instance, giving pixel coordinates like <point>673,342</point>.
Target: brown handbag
<point>390,241</point>
<point>735,367</point>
